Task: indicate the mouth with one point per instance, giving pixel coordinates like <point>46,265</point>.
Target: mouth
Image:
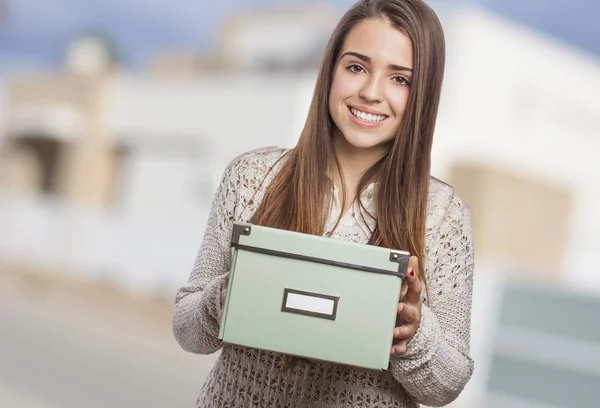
<point>366,118</point>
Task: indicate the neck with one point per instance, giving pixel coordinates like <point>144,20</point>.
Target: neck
<point>353,161</point>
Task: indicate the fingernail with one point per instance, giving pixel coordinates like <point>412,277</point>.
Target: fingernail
<point>412,272</point>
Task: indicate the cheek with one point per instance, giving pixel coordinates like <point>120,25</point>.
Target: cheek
<point>344,86</point>
<point>398,103</point>
<point>338,88</point>
<point>334,94</point>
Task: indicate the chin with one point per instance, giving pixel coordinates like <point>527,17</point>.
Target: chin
<point>364,141</point>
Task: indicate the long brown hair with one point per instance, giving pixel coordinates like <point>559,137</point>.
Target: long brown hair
<point>297,197</point>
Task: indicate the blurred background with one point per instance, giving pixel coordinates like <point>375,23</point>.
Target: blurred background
<point>117,119</point>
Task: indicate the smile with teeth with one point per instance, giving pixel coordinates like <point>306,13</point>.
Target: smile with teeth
<point>367,117</point>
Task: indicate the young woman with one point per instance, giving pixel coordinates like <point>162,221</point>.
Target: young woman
<point>360,172</point>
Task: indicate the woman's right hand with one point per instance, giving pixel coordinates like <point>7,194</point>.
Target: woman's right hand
<point>223,297</point>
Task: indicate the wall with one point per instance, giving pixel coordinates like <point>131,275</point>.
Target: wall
<point>522,103</point>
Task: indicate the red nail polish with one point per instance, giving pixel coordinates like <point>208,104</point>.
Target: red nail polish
<point>412,273</point>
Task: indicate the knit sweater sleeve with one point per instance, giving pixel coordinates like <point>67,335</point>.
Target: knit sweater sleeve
<point>197,303</point>
<point>437,365</point>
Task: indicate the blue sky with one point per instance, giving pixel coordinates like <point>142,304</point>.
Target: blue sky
<point>34,32</point>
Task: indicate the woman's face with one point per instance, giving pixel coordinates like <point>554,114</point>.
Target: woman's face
<point>371,85</point>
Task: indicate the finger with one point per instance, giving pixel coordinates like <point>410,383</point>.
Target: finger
<point>400,348</point>
<point>408,313</point>
<point>404,289</point>
<point>224,286</point>
<point>413,294</point>
<point>404,332</point>
<point>219,318</point>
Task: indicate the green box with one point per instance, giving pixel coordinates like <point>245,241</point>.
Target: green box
<point>312,297</point>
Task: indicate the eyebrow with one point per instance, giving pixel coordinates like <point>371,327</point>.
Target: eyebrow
<point>368,59</point>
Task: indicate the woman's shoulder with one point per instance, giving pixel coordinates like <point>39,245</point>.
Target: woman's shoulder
<point>257,160</point>
<point>439,190</point>
<point>442,197</point>
<point>247,176</point>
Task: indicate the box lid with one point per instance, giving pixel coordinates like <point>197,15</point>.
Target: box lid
<point>294,245</point>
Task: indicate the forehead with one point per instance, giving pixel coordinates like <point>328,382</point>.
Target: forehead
<point>382,42</point>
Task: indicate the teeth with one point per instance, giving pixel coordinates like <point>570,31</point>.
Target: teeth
<point>367,117</point>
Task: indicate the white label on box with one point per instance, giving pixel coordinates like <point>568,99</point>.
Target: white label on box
<point>310,304</point>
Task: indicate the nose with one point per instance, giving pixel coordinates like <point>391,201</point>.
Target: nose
<point>372,90</point>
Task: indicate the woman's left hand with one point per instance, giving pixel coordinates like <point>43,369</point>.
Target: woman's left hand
<point>409,309</point>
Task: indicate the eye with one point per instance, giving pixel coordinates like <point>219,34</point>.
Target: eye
<point>401,80</point>
<point>355,68</point>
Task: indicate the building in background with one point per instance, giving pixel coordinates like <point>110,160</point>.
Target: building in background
<point>503,117</point>
<point>55,141</point>
<point>71,133</point>
<point>121,168</point>
<point>285,39</point>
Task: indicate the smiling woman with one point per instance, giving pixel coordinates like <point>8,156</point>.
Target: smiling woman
<point>371,86</point>
<point>359,173</point>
